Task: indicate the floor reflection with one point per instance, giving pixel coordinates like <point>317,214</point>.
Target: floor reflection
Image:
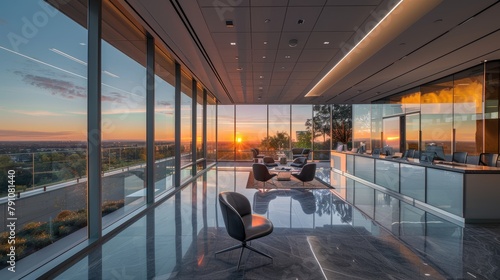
<point>317,235</point>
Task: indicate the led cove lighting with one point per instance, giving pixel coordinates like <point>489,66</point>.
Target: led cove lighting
<point>348,53</point>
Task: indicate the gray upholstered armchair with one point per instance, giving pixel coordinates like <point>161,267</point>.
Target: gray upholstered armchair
<point>299,162</point>
<point>256,153</point>
<point>300,152</point>
<point>241,224</point>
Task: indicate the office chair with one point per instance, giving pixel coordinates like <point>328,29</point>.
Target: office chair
<point>460,157</point>
<point>488,159</point>
<point>241,224</point>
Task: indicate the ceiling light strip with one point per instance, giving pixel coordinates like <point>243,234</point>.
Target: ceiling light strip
<point>311,92</point>
<point>408,14</point>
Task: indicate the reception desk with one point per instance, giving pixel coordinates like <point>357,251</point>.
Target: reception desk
<point>459,192</point>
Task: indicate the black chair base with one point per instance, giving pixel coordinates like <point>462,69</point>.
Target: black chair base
<point>243,245</point>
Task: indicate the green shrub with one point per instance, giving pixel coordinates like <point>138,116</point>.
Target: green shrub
<point>33,228</point>
<point>111,206</point>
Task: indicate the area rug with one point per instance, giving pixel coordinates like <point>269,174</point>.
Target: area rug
<point>292,184</point>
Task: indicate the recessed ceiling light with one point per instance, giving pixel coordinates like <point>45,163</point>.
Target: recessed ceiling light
<point>239,68</point>
<point>229,24</point>
<point>282,67</point>
<point>236,58</point>
<point>293,43</point>
<point>326,43</point>
<point>287,56</point>
<point>267,20</point>
<point>262,77</point>
<point>264,57</point>
<point>300,21</point>
<point>233,43</point>
<point>261,88</point>
<point>265,42</point>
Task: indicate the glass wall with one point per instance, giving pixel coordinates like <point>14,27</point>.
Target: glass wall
<point>491,108</point>
<point>225,132</point>
<point>186,125</point>
<point>468,111</point>
<point>276,129</point>
<point>43,152</point>
<point>278,141</point>
<point>342,124</point>
<point>123,114</point>
<point>458,112</point>
<point>164,121</point>
<point>43,140</point>
<point>200,150</point>
<point>321,125</point>
<point>301,132</point>
<point>437,114</point>
<point>211,129</point>
<point>361,120</point>
<point>251,130</point>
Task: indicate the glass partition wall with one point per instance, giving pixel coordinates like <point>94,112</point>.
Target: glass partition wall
<point>458,112</point>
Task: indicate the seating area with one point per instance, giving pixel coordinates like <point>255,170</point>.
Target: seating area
<point>300,169</point>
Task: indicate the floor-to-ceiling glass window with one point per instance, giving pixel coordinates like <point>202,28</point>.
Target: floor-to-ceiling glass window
<point>164,121</point>
<point>321,124</point>
<point>279,130</point>
<point>342,121</point>
<point>251,130</point>
<point>376,125</point>
<point>225,132</point>
<point>468,111</point>
<point>412,132</point>
<point>411,107</point>
<point>491,108</point>
<point>301,133</point>
<point>211,129</point>
<point>123,114</point>
<point>391,135</point>
<point>186,125</point>
<point>200,150</point>
<point>361,121</point>
<point>437,114</point>
<point>43,133</point>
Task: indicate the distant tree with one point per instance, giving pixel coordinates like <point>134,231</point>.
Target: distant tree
<point>334,121</point>
<point>276,142</point>
<point>304,139</point>
<point>342,123</point>
<point>320,123</point>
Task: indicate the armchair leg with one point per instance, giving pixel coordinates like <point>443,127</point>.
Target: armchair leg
<point>243,245</point>
<point>229,249</point>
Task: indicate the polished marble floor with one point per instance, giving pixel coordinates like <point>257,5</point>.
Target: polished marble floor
<point>316,235</point>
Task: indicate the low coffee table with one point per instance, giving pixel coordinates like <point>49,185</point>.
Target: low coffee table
<point>284,173</point>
